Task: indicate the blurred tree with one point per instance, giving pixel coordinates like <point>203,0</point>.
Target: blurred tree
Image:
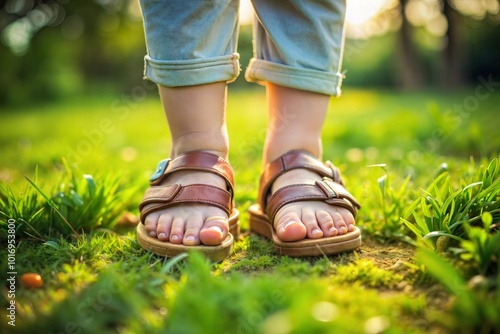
<point>436,40</point>
<point>52,48</point>
<point>454,53</point>
<point>410,68</point>
<point>463,20</point>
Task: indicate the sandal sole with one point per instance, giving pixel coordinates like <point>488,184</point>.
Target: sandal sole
<point>259,223</point>
<point>213,253</point>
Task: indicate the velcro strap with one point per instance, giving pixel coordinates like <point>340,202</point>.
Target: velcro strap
<point>326,190</point>
<point>161,197</point>
<point>289,161</point>
<point>197,160</point>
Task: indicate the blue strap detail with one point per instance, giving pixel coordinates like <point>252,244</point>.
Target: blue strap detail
<point>160,169</point>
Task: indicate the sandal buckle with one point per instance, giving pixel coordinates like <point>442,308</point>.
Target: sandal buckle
<point>327,188</point>
<point>160,169</point>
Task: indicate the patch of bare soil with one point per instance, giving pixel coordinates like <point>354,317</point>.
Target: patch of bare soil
<point>399,258</point>
<point>388,256</point>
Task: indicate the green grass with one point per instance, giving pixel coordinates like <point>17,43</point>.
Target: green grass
<point>403,155</point>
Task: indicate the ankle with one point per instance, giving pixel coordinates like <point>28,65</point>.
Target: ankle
<point>215,143</point>
<point>277,146</point>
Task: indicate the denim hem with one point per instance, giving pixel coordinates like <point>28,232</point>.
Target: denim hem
<point>261,71</point>
<point>178,73</point>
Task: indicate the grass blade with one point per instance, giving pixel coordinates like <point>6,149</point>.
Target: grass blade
<point>52,205</point>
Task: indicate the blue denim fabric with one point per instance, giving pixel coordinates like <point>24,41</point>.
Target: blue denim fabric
<point>191,42</point>
<point>297,43</point>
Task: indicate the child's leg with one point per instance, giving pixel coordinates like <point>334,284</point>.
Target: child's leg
<point>298,51</point>
<point>196,118</point>
<point>191,56</point>
<point>295,122</point>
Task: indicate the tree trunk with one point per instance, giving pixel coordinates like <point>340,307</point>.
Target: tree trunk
<point>411,75</point>
<point>454,53</point>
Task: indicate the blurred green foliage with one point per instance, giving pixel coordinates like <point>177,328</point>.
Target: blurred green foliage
<point>95,46</point>
<point>52,49</point>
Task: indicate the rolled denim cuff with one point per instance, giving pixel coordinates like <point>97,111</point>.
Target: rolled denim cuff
<point>261,71</point>
<point>178,73</point>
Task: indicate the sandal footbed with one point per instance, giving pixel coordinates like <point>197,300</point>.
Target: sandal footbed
<point>168,249</point>
<point>259,223</point>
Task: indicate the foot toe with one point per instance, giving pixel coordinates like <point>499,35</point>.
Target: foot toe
<point>150,224</point>
<point>290,226</point>
<point>177,231</point>
<point>309,220</point>
<point>348,219</point>
<point>190,240</point>
<point>193,226</point>
<point>339,223</point>
<point>214,231</point>
<point>325,222</point>
<point>164,227</point>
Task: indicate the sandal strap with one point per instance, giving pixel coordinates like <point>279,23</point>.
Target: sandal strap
<point>160,197</point>
<point>325,190</point>
<point>293,160</point>
<point>196,160</point>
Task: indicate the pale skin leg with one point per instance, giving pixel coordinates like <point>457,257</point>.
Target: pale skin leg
<point>196,117</point>
<point>295,122</point>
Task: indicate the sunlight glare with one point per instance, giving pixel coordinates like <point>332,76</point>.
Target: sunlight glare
<point>246,12</point>
<point>361,11</point>
<point>358,11</point>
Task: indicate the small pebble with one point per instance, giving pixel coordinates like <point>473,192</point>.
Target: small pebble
<point>128,219</point>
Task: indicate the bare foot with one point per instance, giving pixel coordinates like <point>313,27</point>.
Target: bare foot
<point>190,224</point>
<point>314,220</point>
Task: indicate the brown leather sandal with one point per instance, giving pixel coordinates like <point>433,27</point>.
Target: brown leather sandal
<point>330,190</point>
<point>160,197</point>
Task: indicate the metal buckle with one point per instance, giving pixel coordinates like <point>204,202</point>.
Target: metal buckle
<point>329,188</point>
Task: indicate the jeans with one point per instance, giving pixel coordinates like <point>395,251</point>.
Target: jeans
<point>297,43</point>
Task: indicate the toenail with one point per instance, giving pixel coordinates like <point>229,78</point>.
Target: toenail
<point>316,231</point>
<point>332,230</point>
<point>215,228</point>
<point>152,233</point>
<point>175,237</point>
<point>161,236</point>
<point>342,229</point>
<point>190,238</point>
<point>288,224</point>
<point>351,227</point>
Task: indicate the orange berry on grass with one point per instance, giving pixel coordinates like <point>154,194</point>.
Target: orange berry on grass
<point>32,280</point>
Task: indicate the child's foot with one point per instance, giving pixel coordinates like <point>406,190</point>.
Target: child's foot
<point>190,224</point>
<point>298,220</point>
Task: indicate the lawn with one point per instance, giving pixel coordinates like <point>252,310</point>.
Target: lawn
<point>423,165</point>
